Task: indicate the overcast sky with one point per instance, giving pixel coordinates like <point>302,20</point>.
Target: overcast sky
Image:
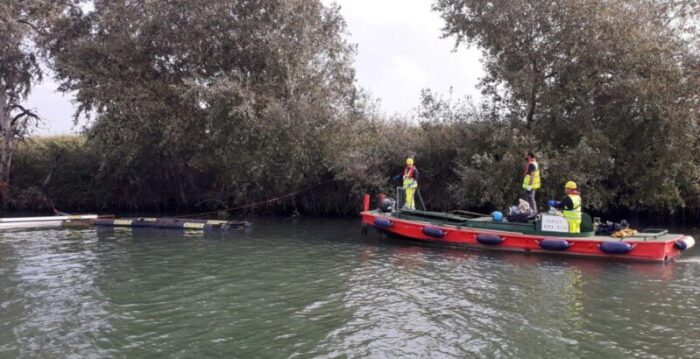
<point>399,53</point>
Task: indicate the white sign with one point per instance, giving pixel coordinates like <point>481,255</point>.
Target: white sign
<point>554,224</point>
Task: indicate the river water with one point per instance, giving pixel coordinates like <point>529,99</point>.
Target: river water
<point>318,288</point>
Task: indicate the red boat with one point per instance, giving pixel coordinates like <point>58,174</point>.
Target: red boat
<point>543,234</point>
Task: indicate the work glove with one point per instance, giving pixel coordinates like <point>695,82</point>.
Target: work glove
<point>528,187</point>
<point>552,203</point>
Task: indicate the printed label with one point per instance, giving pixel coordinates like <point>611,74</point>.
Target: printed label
<point>554,224</point>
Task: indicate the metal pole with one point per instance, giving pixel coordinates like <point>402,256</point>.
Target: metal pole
<point>398,200</point>
<point>421,199</point>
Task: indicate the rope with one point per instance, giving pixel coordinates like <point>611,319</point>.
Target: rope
<point>270,200</point>
<point>458,211</point>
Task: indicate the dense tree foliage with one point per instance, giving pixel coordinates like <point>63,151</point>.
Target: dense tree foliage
<point>55,171</point>
<point>607,90</point>
<point>208,100</point>
<point>204,105</point>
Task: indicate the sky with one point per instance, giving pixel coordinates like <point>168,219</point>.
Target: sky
<point>399,52</point>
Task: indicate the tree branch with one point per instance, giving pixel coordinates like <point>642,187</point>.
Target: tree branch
<point>34,27</point>
<point>25,112</point>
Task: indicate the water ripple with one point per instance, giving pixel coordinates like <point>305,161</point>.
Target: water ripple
<point>319,289</point>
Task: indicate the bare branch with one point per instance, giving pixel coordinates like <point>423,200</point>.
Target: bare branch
<point>24,113</point>
<point>34,27</point>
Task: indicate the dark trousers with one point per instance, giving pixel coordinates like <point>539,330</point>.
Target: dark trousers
<point>530,197</point>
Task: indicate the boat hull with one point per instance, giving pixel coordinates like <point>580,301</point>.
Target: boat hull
<point>656,249</point>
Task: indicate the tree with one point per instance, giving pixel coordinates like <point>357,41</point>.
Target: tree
<point>608,83</point>
<point>218,101</point>
<point>19,68</point>
<point>24,29</point>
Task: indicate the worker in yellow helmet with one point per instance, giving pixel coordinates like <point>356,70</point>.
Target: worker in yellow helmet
<point>531,181</point>
<point>570,207</point>
<point>410,183</point>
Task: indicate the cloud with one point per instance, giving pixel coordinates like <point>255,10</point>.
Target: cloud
<point>54,108</point>
<point>400,52</point>
<point>389,12</point>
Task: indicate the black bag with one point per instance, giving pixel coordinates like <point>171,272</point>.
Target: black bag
<point>520,217</point>
<point>608,228</point>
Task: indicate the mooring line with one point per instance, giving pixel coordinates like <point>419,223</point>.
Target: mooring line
<point>270,200</point>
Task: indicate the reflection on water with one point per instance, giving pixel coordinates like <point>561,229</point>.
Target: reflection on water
<point>318,288</point>
<point>50,286</point>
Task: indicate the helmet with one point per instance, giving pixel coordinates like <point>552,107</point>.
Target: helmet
<point>409,161</point>
<point>570,185</point>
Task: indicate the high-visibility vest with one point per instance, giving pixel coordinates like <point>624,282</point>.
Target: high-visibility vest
<point>575,213</point>
<point>408,180</point>
<point>536,180</point>
<point>408,172</point>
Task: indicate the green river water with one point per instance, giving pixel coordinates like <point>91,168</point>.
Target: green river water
<point>318,288</point>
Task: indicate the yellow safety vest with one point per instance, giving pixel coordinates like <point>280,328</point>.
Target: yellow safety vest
<point>573,216</point>
<point>536,181</point>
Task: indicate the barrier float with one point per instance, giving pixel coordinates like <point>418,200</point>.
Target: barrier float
<point>47,221</point>
<point>173,223</point>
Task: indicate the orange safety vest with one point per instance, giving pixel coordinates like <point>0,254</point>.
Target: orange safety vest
<point>408,177</point>
<point>408,172</point>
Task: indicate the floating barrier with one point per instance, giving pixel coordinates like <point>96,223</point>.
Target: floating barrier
<point>174,223</point>
<point>46,222</point>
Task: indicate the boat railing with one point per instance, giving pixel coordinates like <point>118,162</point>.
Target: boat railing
<point>401,198</point>
<point>653,232</point>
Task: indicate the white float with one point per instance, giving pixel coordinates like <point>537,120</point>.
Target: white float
<point>41,222</point>
<point>686,242</point>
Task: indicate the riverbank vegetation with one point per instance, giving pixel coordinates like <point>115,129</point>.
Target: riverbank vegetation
<point>198,107</point>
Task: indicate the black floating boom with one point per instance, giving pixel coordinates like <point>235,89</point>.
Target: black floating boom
<point>176,223</point>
